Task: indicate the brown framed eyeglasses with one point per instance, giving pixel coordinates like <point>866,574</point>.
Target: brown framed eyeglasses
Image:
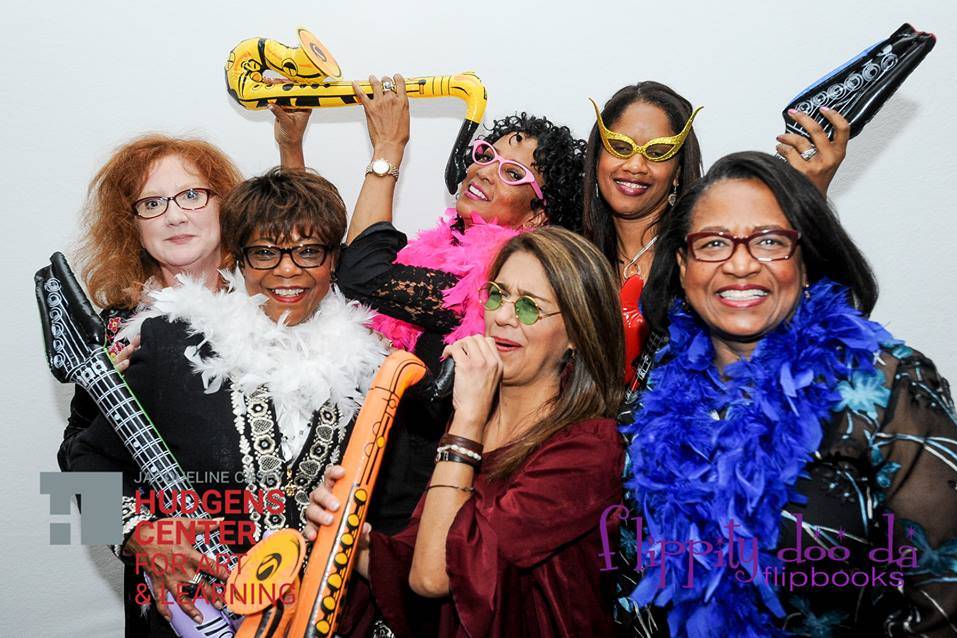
<point>189,199</point>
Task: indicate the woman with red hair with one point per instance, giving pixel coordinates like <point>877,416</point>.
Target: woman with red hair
<point>152,213</point>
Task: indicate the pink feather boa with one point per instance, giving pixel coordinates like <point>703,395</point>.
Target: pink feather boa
<point>467,256</point>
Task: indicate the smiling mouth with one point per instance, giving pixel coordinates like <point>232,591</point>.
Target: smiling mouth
<point>631,188</point>
<point>743,295</point>
<point>287,295</point>
<point>742,298</point>
<point>474,192</point>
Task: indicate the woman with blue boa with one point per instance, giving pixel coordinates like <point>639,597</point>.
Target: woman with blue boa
<point>792,467</point>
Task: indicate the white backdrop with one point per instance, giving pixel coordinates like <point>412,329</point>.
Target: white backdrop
<point>83,77</point>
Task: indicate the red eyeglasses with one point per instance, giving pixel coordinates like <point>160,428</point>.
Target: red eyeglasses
<point>771,244</point>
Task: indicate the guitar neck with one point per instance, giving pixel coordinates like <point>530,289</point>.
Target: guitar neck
<point>73,337</point>
<point>144,443</point>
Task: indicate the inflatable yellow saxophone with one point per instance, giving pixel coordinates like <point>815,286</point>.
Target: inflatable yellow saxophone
<point>315,81</point>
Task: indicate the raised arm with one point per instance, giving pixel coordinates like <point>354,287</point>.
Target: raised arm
<point>387,118</point>
<point>289,129</point>
<point>821,164</point>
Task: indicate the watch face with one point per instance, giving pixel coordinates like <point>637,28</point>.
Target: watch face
<point>380,167</point>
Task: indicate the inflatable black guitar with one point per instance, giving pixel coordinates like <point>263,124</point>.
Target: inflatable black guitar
<point>74,335</point>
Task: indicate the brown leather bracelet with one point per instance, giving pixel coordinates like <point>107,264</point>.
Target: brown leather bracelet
<point>449,455</point>
<point>468,444</point>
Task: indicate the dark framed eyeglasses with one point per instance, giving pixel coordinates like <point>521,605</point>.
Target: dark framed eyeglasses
<point>265,257</point>
<point>772,244</point>
<point>189,199</point>
<point>526,309</point>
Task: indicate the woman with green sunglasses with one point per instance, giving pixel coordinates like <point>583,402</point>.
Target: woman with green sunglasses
<point>506,536</point>
<point>527,310</point>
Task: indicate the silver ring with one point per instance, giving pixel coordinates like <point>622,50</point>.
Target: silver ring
<point>190,588</point>
<point>388,86</point>
<point>809,153</point>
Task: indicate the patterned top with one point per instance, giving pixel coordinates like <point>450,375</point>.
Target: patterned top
<point>368,273</point>
<point>884,478</point>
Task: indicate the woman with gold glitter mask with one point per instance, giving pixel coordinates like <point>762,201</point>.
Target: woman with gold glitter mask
<point>642,155</point>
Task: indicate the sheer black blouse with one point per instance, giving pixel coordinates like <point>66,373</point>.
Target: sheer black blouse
<point>884,478</point>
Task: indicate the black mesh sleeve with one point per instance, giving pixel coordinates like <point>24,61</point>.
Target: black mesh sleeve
<point>367,272</point>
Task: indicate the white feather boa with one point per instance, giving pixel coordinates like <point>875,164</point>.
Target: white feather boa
<point>331,356</point>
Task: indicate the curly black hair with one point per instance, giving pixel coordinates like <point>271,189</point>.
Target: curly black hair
<point>559,157</point>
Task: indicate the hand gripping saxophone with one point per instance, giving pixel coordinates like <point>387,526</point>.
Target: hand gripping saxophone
<point>74,336</point>
<point>315,81</point>
<point>311,608</point>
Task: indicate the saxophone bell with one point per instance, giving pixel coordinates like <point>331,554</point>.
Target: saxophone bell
<point>315,82</point>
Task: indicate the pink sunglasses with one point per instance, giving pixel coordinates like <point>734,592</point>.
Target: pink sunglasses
<point>511,172</point>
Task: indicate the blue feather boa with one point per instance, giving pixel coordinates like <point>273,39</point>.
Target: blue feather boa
<point>692,473</point>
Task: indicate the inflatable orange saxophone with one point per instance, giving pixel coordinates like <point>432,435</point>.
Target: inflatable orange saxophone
<point>315,81</point>
<point>310,608</point>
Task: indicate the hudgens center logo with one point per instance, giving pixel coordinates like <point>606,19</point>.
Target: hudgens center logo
<point>797,563</point>
<point>99,495</point>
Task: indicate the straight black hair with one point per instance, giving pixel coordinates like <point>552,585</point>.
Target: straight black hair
<point>597,218</point>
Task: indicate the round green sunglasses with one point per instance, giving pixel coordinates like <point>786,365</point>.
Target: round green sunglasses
<point>526,308</point>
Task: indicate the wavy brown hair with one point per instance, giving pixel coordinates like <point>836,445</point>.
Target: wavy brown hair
<point>112,259</point>
<point>586,290</point>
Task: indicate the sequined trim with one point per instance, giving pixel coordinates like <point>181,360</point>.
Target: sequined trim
<point>261,470</point>
<point>263,466</point>
<point>131,518</point>
<point>325,448</point>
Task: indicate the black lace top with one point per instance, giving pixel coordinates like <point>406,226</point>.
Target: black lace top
<point>367,273</point>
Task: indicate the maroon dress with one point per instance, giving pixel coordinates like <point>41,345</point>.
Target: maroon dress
<point>522,554</point>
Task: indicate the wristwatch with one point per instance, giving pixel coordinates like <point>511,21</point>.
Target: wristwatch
<point>382,167</point>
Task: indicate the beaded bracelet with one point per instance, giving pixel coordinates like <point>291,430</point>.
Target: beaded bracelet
<point>468,444</point>
<point>445,454</point>
<point>458,449</point>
